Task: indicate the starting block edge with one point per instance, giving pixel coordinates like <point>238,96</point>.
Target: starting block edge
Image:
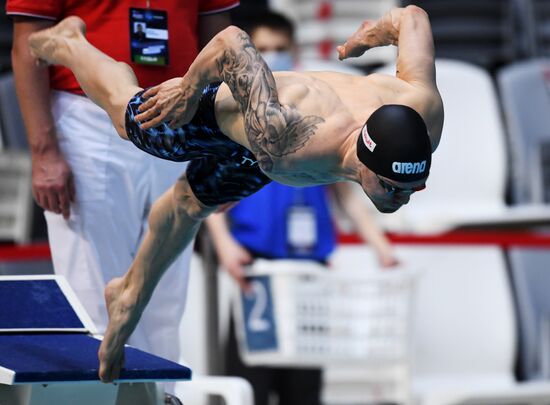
<point>7,376</point>
<point>76,304</point>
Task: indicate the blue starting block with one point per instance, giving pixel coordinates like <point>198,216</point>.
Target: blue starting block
<point>47,341</point>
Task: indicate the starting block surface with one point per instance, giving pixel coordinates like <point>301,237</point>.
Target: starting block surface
<point>47,358</point>
<point>37,305</point>
<point>44,338</point>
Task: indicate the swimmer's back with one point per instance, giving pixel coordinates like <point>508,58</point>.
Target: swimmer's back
<point>343,102</point>
<point>308,96</point>
<point>305,92</point>
<point>362,95</point>
<point>326,94</point>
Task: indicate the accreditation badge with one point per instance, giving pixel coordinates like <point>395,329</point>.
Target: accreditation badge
<point>301,229</point>
<point>149,36</point>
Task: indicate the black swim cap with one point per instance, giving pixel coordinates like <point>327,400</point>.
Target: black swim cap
<point>394,143</point>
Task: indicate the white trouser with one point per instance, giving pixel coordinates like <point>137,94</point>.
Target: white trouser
<point>116,184</point>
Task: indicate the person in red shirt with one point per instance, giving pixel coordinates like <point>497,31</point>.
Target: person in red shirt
<point>96,192</point>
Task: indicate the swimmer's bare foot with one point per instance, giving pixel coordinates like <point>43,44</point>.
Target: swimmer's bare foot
<point>46,45</point>
<point>123,317</point>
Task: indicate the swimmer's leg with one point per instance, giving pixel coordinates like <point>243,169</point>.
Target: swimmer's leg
<point>108,83</point>
<point>173,223</point>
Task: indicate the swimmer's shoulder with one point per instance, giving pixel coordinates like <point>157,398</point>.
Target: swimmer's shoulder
<point>394,90</point>
<point>422,97</point>
<point>384,81</point>
<point>330,77</point>
<point>428,103</point>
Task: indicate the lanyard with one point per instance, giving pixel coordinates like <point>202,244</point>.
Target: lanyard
<point>298,197</point>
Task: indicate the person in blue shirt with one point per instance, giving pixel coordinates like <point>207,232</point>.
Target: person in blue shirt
<point>282,222</point>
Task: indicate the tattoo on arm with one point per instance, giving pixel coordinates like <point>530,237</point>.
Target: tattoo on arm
<point>273,130</point>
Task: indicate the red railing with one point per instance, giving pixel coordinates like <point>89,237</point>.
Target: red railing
<point>41,251</point>
<point>35,251</point>
<point>504,239</point>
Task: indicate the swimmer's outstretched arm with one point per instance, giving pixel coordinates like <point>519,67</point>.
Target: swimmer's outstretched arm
<point>409,29</point>
<point>231,57</point>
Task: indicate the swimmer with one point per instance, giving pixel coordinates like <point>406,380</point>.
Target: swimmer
<point>241,126</point>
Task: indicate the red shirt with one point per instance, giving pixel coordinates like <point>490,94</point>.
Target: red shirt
<point>107,23</point>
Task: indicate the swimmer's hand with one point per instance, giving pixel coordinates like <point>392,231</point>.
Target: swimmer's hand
<point>369,35</point>
<point>174,101</point>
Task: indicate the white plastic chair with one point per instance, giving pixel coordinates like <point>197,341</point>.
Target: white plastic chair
<point>525,99</point>
<point>466,330</point>
<point>233,390</point>
<point>465,327</point>
<point>464,323</point>
<point>11,121</point>
<point>15,168</point>
<point>15,196</point>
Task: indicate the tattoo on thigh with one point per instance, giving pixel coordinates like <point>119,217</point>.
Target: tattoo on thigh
<point>273,130</point>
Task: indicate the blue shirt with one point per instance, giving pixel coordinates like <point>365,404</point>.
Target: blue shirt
<point>260,221</point>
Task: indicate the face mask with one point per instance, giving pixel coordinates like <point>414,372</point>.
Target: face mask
<point>278,60</point>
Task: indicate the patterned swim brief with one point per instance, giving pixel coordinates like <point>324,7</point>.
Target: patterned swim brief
<point>220,170</point>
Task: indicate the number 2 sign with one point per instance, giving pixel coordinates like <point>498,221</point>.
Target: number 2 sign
<point>259,319</point>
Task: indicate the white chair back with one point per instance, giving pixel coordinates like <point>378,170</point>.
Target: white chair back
<point>468,175</point>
